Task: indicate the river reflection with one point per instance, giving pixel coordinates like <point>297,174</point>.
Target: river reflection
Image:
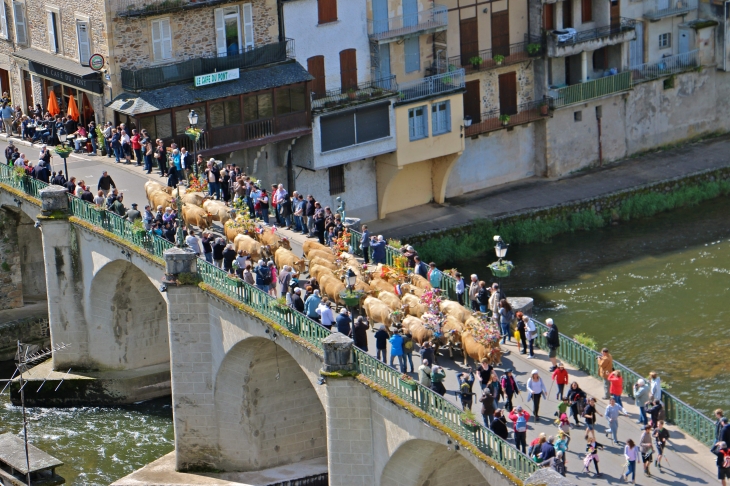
<point>655,292</point>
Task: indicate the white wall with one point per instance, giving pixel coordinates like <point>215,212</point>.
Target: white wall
<point>311,39</point>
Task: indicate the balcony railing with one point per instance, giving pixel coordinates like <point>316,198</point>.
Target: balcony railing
<point>490,120</point>
<point>588,35</point>
<point>185,71</point>
<point>362,93</point>
<point>431,86</point>
<point>141,8</point>
<point>433,19</point>
<point>591,89</point>
<point>665,67</point>
<point>483,60</point>
<point>667,8</point>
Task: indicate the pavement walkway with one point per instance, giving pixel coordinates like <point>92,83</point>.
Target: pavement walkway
<point>537,192</point>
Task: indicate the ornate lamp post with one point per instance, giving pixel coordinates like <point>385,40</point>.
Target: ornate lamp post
<point>193,119</point>
<point>500,268</point>
<point>63,151</point>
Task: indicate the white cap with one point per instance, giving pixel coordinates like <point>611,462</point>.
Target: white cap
<point>533,372</point>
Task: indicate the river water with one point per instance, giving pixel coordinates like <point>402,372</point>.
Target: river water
<point>655,292</point>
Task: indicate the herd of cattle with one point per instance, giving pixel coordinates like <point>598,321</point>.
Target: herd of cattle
<point>392,302</point>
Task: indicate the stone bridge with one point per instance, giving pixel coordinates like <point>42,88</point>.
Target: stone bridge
<point>246,378</point>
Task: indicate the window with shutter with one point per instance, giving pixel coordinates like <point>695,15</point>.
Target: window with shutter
<point>161,40</point>
<point>3,22</point>
<point>248,31</point>
<point>21,31</point>
<point>315,66</point>
<point>337,179</point>
<point>228,30</point>
<point>82,30</point>
<point>417,123</point>
<point>52,31</point>
<point>441,117</point>
<point>348,69</point>
<point>413,54</point>
<point>327,11</point>
<point>586,11</point>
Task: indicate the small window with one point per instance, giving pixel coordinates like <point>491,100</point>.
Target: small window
<point>291,100</point>
<point>181,118</point>
<point>441,117</point>
<point>158,126</point>
<point>21,28</point>
<point>577,116</point>
<point>258,107</point>
<point>669,82</point>
<point>327,11</point>
<point>337,179</point>
<point>418,123</point>
<point>161,40</point>
<point>224,114</point>
<point>599,112</point>
<point>3,22</point>
<point>53,31</point>
<point>665,40</point>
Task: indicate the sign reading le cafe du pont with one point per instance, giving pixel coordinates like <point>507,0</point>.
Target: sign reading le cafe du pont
<point>213,78</point>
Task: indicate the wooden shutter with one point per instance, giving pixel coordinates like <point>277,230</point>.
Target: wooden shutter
<point>327,11</point>
<point>220,33</point>
<point>248,26</point>
<point>52,44</point>
<point>567,13</point>
<point>3,22</point>
<point>21,31</point>
<point>84,42</point>
<point>473,101</point>
<point>412,50</point>
<point>548,16</point>
<point>469,39</point>
<point>500,33</point>
<point>315,66</point>
<point>586,11</point>
<point>615,14</point>
<point>166,39</point>
<point>348,69</point>
<point>508,93</point>
<point>600,59</point>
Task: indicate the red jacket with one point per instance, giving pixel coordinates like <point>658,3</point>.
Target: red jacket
<point>513,417</point>
<point>617,384</point>
<point>560,376</point>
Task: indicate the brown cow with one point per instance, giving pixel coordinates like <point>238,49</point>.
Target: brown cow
<point>383,285</point>
<point>282,257</point>
<point>451,308</point>
<point>218,210</point>
<point>418,329</point>
<point>152,186</point>
<point>323,263</point>
<point>194,198</point>
<point>471,348</point>
<point>232,232</point>
<point>161,198</point>
<point>266,237</point>
<point>193,215</point>
<point>413,306</point>
<point>251,246</point>
<point>451,331</point>
<point>314,245</point>
<point>420,282</point>
<point>390,299</point>
<point>332,286</point>
<point>318,270</point>
<point>378,312</point>
<point>412,289</point>
<point>322,254</point>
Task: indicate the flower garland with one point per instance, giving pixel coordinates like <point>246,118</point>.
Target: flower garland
<point>243,221</point>
<point>342,242</point>
<point>197,184</point>
<point>486,333</point>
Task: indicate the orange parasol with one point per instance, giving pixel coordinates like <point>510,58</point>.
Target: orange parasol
<point>53,104</point>
<point>73,110</point>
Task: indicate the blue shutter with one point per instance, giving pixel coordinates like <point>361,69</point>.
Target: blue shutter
<point>413,54</point>
<point>410,13</point>
<point>383,63</point>
<point>380,16</point>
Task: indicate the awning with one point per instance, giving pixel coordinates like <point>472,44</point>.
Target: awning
<point>63,70</point>
<point>250,80</point>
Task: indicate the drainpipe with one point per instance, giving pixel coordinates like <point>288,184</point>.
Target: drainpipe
<point>599,115</point>
<point>724,39</point>
<point>282,32</point>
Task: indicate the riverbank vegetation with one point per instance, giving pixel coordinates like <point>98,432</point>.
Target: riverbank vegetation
<point>474,240</point>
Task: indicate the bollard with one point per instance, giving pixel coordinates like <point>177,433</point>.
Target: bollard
<point>337,353</point>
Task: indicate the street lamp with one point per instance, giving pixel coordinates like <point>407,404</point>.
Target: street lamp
<point>351,278</point>
<point>62,137</point>
<point>500,247</point>
<point>193,119</point>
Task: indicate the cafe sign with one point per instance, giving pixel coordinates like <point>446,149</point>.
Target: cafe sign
<point>214,78</point>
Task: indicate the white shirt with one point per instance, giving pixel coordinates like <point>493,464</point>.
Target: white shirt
<point>194,243</point>
<point>531,329</point>
<point>326,314</point>
<point>656,388</point>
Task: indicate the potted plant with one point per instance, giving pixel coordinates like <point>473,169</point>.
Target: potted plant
<point>475,62</point>
<point>467,121</point>
<point>498,59</point>
<point>408,382</point>
<point>377,92</point>
<point>279,305</point>
<point>534,49</point>
<point>138,228</point>
<point>469,420</point>
<point>544,108</point>
<point>19,173</point>
<point>351,93</point>
<point>351,297</point>
<point>63,150</point>
<point>100,141</point>
<point>501,268</point>
<point>193,133</point>
<point>504,119</point>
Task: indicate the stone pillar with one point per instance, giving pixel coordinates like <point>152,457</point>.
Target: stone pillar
<point>64,281</point>
<point>558,15</point>
<point>583,67</point>
<point>191,371</point>
<point>38,95</point>
<point>11,277</point>
<point>349,425</point>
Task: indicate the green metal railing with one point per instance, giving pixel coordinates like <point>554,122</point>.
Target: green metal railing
<point>687,418</point>
<point>580,92</point>
<point>432,404</point>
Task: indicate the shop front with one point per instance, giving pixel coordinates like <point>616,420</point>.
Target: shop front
<point>50,75</point>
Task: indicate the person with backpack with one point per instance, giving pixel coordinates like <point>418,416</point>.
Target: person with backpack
<point>723,461</point>
<point>263,276</point>
<point>646,448</point>
<point>509,387</point>
<point>438,375</point>
<point>466,382</point>
<point>576,399</point>
<point>408,351</point>
<point>519,419</point>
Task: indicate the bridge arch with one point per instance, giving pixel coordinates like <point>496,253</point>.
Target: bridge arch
<point>127,319</point>
<point>267,409</point>
<point>420,462</point>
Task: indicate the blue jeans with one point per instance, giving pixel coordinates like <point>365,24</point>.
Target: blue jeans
<point>400,360</point>
<point>148,163</point>
<point>382,352</point>
<point>409,359</point>
<point>264,288</point>
<point>209,257</point>
<point>287,220</point>
<point>613,428</point>
<point>214,189</point>
<point>138,156</point>
<point>482,308</point>
<point>618,400</point>
<point>532,347</point>
<point>505,332</point>
<point>265,215</point>
<point>118,152</point>
<point>298,223</point>
<point>94,145</point>
<point>642,415</point>
<point>631,470</point>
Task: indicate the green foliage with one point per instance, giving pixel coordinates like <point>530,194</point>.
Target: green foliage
<point>498,58</point>
<point>5,266</point>
<point>586,341</point>
<point>533,49</point>
<point>470,242</point>
<point>187,278</point>
<point>395,243</point>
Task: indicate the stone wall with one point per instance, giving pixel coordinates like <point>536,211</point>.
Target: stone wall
<point>489,84</point>
<point>32,330</point>
<point>11,279</point>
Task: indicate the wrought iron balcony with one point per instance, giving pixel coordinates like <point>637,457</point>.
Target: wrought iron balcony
<point>665,67</point>
<point>185,71</point>
<point>336,99</point>
<point>622,30</point>
<point>142,8</point>
<point>490,120</point>
<point>498,56</point>
<point>428,21</point>
<point>431,86</point>
<point>659,9</point>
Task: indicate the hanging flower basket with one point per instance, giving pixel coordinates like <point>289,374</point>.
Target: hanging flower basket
<point>501,268</point>
<point>408,382</point>
<point>351,298</point>
<point>194,133</point>
<point>64,152</point>
<point>468,420</point>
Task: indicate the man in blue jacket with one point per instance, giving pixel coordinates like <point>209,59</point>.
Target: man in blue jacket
<point>343,322</point>
<point>396,351</point>
<point>378,247</point>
